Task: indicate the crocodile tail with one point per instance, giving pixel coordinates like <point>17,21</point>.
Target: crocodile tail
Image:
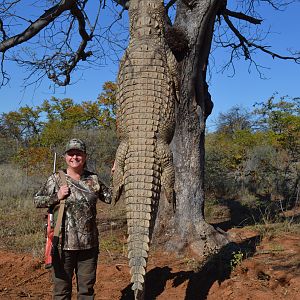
<point>142,188</point>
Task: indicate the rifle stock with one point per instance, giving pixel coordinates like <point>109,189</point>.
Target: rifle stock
<point>48,247</point>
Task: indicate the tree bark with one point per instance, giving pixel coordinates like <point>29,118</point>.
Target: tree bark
<point>187,229</point>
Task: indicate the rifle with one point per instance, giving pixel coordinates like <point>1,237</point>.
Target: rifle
<point>50,230</point>
<point>52,240</point>
<point>48,247</point>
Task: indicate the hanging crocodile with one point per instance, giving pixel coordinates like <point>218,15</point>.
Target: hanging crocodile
<point>146,94</point>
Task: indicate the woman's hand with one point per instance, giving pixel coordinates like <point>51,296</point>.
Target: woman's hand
<point>63,192</point>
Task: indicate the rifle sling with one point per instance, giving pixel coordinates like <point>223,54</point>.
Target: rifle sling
<point>63,181</point>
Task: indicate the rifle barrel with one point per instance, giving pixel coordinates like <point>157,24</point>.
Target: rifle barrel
<point>54,163</point>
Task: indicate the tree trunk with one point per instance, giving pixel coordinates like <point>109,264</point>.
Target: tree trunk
<point>187,229</point>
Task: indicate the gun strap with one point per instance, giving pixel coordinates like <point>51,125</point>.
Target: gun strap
<point>63,181</point>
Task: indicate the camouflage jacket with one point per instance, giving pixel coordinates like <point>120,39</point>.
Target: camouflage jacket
<point>79,229</point>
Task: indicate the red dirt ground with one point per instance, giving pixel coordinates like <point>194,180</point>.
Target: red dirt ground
<point>271,270</point>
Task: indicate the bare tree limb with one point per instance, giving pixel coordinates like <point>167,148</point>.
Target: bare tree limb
<point>2,30</point>
<point>278,4</point>
<point>241,16</point>
<point>124,3</point>
<point>5,77</point>
<point>246,44</point>
<point>77,13</point>
<point>80,54</point>
<point>49,16</point>
<point>59,65</point>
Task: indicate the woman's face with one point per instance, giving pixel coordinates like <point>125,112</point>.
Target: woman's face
<point>75,159</point>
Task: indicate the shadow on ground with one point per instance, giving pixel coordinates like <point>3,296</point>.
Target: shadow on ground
<point>264,211</point>
<point>216,269</point>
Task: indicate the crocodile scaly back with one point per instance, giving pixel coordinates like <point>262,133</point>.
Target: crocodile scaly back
<point>145,125</point>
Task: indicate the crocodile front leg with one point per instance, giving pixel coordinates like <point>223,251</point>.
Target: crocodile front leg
<point>118,177</point>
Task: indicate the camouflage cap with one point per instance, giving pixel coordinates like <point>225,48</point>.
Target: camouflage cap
<point>76,144</point>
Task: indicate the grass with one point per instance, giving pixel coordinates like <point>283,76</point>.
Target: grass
<point>16,185</point>
<point>21,224</point>
<point>113,245</point>
<point>113,229</point>
<point>270,230</point>
<point>272,223</point>
<point>22,227</point>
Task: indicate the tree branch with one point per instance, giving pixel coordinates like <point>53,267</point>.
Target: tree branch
<point>2,30</point>
<point>246,44</point>
<point>58,66</point>
<point>124,3</point>
<point>5,78</point>
<point>49,16</point>
<point>241,16</point>
<point>9,5</point>
<point>69,66</point>
<point>278,5</point>
<point>77,13</point>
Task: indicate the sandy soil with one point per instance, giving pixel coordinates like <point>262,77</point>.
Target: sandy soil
<point>270,269</point>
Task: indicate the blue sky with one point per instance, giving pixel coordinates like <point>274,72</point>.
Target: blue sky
<point>244,89</point>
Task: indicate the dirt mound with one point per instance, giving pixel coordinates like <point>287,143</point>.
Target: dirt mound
<point>267,269</point>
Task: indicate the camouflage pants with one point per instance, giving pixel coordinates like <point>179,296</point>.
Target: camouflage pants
<point>84,264</point>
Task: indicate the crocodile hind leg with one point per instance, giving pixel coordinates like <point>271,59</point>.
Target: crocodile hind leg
<point>118,177</point>
<point>168,174</point>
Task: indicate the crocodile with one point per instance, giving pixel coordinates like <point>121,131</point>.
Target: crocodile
<point>146,95</point>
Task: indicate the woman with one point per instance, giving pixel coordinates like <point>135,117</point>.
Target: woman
<point>79,246</point>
